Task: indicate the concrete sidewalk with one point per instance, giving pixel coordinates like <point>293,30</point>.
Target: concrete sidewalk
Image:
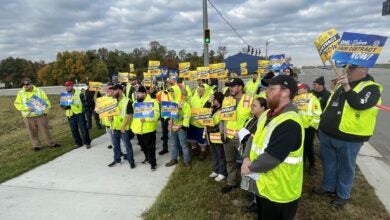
<point>79,185</point>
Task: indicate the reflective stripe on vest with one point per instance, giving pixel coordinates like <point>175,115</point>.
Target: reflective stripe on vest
<point>76,107</point>
<point>243,112</point>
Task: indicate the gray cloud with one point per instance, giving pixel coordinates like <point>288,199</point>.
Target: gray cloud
<point>38,29</point>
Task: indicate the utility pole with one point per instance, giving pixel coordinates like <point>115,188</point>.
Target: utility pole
<point>205,26</point>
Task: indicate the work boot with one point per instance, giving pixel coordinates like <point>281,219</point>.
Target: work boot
<point>171,163</point>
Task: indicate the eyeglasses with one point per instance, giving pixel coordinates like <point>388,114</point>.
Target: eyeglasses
<point>26,84</point>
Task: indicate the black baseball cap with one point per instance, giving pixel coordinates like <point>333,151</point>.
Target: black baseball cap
<point>117,86</point>
<point>284,80</point>
<point>235,82</point>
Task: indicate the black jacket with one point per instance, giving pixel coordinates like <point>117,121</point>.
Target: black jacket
<point>331,117</point>
<point>323,96</point>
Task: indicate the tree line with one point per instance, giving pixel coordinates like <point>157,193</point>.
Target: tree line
<point>97,65</point>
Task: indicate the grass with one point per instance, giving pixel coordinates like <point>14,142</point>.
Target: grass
<point>191,194</point>
<point>16,155</point>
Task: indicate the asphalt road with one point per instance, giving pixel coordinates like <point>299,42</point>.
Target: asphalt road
<point>381,139</point>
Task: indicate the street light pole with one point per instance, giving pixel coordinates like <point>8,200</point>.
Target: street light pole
<point>266,48</point>
<point>205,26</point>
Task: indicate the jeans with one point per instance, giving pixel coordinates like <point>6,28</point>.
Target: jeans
<point>308,150</point>
<point>339,162</point>
<point>76,122</point>
<point>230,148</point>
<point>180,142</point>
<point>88,113</point>
<point>117,136</point>
<point>219,161</point>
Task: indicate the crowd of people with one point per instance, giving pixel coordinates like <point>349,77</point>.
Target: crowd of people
<point>263,147</point>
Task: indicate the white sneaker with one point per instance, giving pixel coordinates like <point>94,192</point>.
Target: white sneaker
<point>220,177</point>
<point>213,175</point>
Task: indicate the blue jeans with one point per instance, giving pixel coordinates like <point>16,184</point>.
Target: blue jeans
<point>180,141</point>
<point>76,122</point>
<point>117,136</point>
<point>339,162</point>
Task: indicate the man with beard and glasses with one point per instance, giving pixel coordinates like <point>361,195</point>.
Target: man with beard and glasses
<point>275,158</point>
<point>145,128</point>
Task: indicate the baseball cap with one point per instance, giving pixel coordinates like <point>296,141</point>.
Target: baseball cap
<point>142,89</point>
<point>69,83</point>
<point>284,80</point>
<point>117,86</point>
<point>235,82</point>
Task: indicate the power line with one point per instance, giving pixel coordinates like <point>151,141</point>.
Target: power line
<point>228,23</point>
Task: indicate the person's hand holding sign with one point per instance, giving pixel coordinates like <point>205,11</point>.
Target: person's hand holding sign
<point>343,80</point>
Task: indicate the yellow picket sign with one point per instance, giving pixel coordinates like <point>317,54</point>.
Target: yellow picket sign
<point>194,75</point>
<point>123,77</point>
<point>203,72</point>
<point>184,70</point>
<point>216,70</point>
<point>95,86</point>
<point>244,70</point>
<point>228,110</point>
<point>147,82</point>
<point>154,67</point>
<point>327,43</point>
<point>131,68</point>
<point>262,66</point>
<point>105,106</point>
<point>203,116</point>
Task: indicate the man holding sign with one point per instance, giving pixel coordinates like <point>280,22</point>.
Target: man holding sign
<point>34,115</point>
<point>144,125</point>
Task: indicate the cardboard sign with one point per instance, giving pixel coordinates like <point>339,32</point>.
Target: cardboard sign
<point>169,110</point>
<point>203,72</point>
<point>262,66</point>
<point>228,110</point>
<point>95,86</point>
<point>37,104</point>
<point>154,68</point>
<point>106,106</point>
<point>359,49</point>
<point>66,99</point>
<point>276,62</point>
<point>326,44</point>
<point>243,68</point>
<point>131,67</point>
<point>184,70</point>
<point>123,77</point>
<point>203,116</point>
<point>217,70</point>
<point>194,75</point>
<point>144,110</point>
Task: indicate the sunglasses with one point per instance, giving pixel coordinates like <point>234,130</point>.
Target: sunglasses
<point>26,84</point>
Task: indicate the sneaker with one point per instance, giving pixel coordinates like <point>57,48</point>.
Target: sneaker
<point>227,188</point>
<point>109,146</point>
<point>338,203</point>
<point>220,177</point>
<point>320,191</point>
<point>153,167</point>
<point>76,146</point>
<point>163,152</point>
<point>56,145</point>
<point>145,161</point>
<point>171,163</point>
<point>88,146</point>
<point>187,165</point>
<point>213,175</point>
<point>114,163</point>
<point>132,165</point>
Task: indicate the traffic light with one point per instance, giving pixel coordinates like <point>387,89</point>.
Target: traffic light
<point>206,36</point>
<point>252,51</point>
<point>249,48</point>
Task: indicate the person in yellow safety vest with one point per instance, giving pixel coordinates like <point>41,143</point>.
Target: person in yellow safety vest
<point>130,88</point>
<point>179,127</point>
<point>76,117</point>
<point>219,172</point>
<point>164,96</point>
<point>261,92</point>
<point>346,123</point>
<point>145,128</point>
<point>310,110</point>
<point>252,85</point>
<point>185,89</point>
<point>34,119</point>
<point>241,104</point>
<point>274,161</point>
<point>104,120</point>
<point>121,131</point>
<point>196,130</point>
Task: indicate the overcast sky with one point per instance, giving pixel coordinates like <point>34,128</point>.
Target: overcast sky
<point>38,29</point>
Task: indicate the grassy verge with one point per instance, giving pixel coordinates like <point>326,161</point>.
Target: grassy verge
<point>16,155</point>
<point>191,194</point>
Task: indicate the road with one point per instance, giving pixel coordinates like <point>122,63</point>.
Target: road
<point>381,139</point>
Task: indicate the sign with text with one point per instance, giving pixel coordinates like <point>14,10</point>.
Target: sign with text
<point>154,67</point>
<point>144,110</point>
<point>228,110</point>
<point>203,72</point>
<point>359,49</point>
<point>106,106</point>
<point>262,66</point>
<point>95,86</point>
<point>37,104</point>
<point>66,99</point>
<point>327,43</point>
<point>169,110</point>
<point>131,67</point>
<point>184,70</point>
<point>203,116</point>
<point>276,62</point>
<point>194,75</point>
<point>243,68</point>
<point>123,77</point>
<point>217,70</point>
